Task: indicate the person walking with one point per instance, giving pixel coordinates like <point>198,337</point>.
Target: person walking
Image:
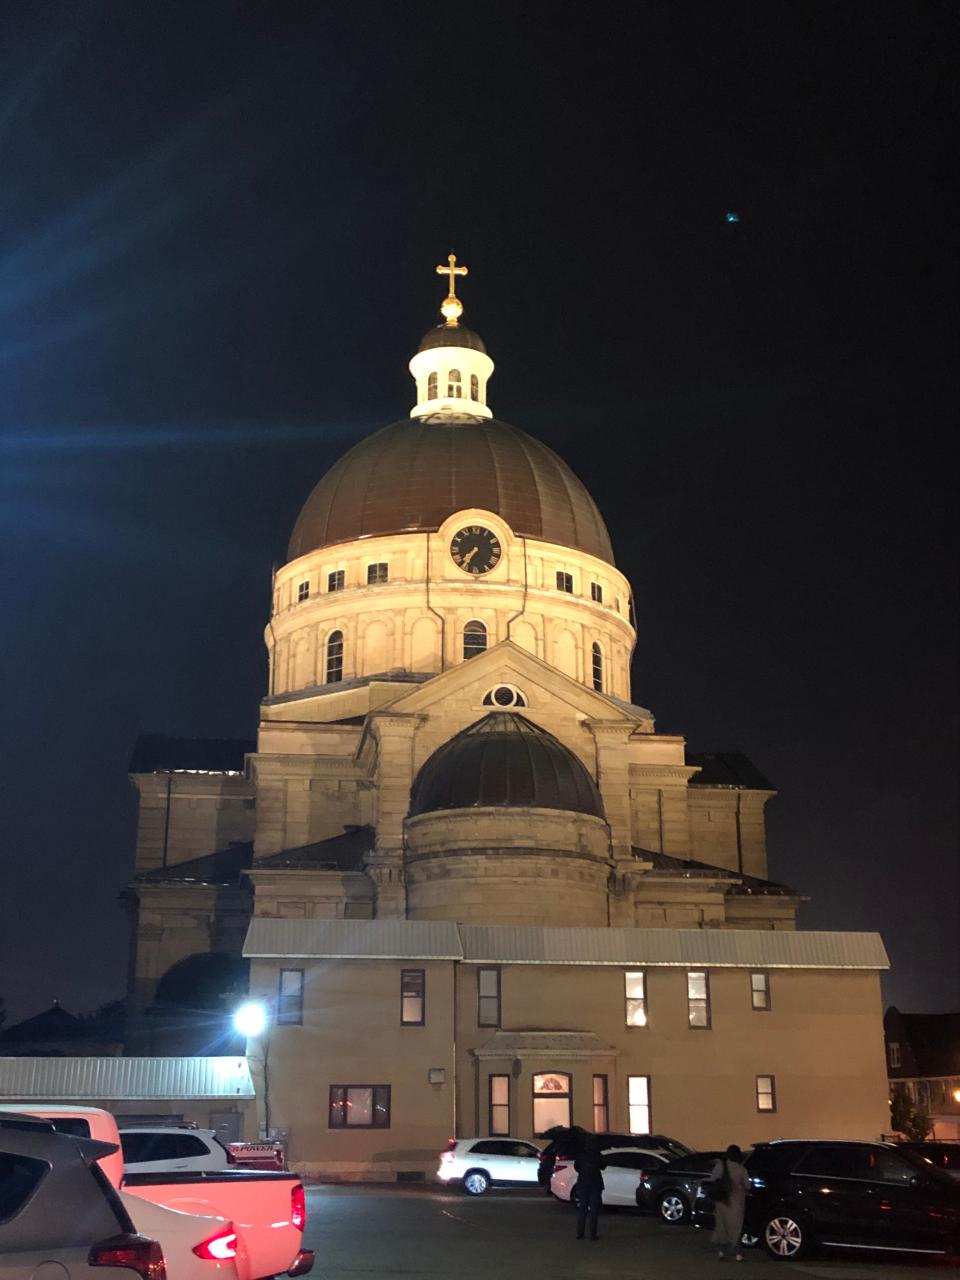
<point>589,1165</point>
<point>728,1185</point>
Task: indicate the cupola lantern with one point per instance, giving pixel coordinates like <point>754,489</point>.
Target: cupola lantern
<point>451,367</point>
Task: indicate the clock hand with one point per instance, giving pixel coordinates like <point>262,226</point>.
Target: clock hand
<point>470,554</point>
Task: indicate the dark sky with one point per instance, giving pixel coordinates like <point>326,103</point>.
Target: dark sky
<point>218,229</point>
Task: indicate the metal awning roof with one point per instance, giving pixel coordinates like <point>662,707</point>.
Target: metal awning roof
<point>93,1079</point>
<point>507,944</point>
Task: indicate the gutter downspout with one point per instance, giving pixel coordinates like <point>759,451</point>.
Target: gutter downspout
<point>166,822</point>
<point>436,612</point>
<point>456,1132</point>
<point>523,608</point>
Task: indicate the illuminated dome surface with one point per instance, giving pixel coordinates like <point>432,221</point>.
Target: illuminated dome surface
<point>412,475</point>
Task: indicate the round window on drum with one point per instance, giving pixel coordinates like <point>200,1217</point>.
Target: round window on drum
<point>504,695</point>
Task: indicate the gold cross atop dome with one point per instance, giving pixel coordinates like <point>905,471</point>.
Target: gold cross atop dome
<point>452,308</point>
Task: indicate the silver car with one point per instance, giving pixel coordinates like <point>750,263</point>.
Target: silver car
<point>60,1215</point>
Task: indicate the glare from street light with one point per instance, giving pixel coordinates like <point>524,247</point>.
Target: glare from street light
<point>250,1019</point>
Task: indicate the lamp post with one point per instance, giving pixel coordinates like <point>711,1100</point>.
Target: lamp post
<point>251,1019</point>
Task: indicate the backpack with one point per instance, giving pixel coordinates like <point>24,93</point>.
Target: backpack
<point>719,1189</point>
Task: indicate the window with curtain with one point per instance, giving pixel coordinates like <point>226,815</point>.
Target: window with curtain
<point>601,1108</point>
<point>474,639</point>
<point>334,657</point>
<point>635,989</point>
<point>698,1000</point>
<point>413,997</point>
<point>551,1101</point>
<point>638,1103</point>
<point>499,1104</point>
<point>290,998</point>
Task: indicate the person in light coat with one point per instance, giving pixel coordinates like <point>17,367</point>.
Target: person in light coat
<point>728,1216</point>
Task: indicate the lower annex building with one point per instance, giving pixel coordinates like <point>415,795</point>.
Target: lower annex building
<point>478,892</point>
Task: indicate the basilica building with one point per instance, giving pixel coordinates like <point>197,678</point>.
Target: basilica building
<point>478,892</point>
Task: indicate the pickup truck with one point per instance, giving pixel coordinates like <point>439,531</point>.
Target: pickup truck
<point>268,1210</point>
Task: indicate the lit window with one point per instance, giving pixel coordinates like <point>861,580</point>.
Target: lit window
<point>499,1104</point>
<point>636,997</point>
<point>334,657</point>
<point>893,1053</point>
<point>596,592</point>
<point>565,582</point>
<point>760,990</point>
<point>474,639</point>
<point>698,1000</point>
<point>413,997</point>
<point>432,387</point>
<point>601,1109</point>
<point>766,1093</point>
<point>551,1101</point>
<point>454,389</point>
<point>474,387</point>
<point>335,580</point>
<point>376,573</point>
<point>638,1103</point>
<point>359,1106</point>
<point>303,592</point>
<point>488,997</point>
<point>290,998</point>
<point>597,668</point>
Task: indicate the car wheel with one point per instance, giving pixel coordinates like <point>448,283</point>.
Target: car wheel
<point>476,1182</point>
<point>784,1236</point>
<point>673,1208</point>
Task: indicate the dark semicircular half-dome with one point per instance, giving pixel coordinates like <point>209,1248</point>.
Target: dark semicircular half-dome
<point>504,761</point>
<point>412,475</point>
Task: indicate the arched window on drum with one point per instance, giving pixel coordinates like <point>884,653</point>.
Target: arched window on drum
<point>454,385</point>
<point>432,386</point>
<point>474,639</point>
<point>334,664</point>
<point>597,668</point>
<point>474,387</point>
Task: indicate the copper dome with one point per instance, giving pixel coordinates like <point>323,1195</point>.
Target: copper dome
<point>452,335</point>
<point>414,474</point>
<point>504,761</point>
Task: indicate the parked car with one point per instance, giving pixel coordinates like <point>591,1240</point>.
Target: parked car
<point>566,1143</point>
<point>845,1195</point>
<point>945,1155</point>
<point>670,1191</point>
<point>267,1209</point>
<point>624,1167</point>
<point>58,1213</point>
<point>172,1150</point>
<point>479,1163</point>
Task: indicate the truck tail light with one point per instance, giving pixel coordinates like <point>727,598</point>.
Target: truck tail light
<point>220,1246</point>
<point>132,1251</point>
<point>298,1207</point>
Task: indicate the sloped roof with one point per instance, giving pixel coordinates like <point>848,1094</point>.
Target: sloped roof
<point>727,769</point>
<point>269,938</point>
<point>54,1023</point>
<point>156,753</point>
<point>343,852</point>
<point>703,870</point>
<point>224,866</point>
<point>92,1079</point>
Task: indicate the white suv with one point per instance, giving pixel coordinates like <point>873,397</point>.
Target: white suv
<point>478,1163</point>
<point>172,1150</point>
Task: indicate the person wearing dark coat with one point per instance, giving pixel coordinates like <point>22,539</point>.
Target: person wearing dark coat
<point>548,1157</point>
<point>589,1165</point>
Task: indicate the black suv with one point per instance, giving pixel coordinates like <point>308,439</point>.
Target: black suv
<point>849,1195</point>
<point>671,1190</point>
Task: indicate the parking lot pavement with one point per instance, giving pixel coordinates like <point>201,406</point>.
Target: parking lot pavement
<point>414,1232</point>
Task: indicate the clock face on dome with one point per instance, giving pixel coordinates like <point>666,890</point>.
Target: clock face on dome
<point>476,549</point>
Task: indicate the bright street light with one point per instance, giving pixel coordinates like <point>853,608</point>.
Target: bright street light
<point>250,1018</point>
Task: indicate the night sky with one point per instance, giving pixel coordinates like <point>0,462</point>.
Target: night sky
<point>218,232</point>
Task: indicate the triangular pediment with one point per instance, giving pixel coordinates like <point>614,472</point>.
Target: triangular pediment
<point>544,688</point>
